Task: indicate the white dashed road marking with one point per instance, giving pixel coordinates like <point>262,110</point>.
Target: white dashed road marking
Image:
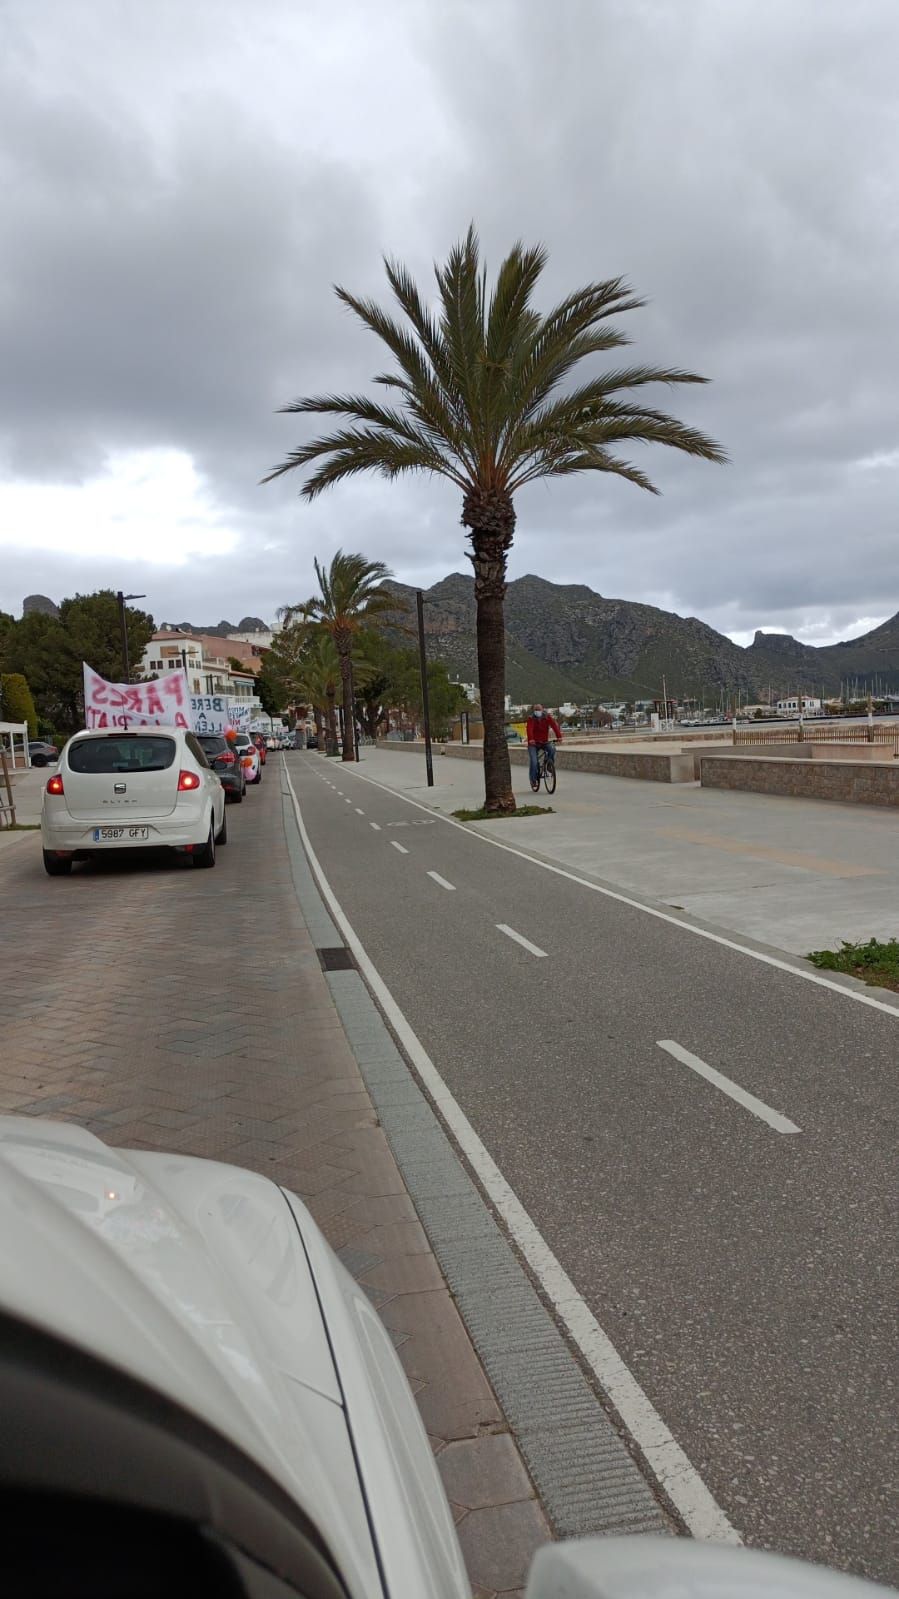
<point>358,812</point>
<point>376,826</point>
<point>442,881</point>
<point>733,1090</point>
<point>401,847</point>
<point>524,942</point>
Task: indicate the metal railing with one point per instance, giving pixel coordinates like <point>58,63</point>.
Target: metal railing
<point>810,733</point>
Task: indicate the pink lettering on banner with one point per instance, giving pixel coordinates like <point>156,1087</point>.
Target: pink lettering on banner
<point>163,701</point>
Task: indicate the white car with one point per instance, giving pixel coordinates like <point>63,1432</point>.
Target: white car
<point>249,754</point>
<point>209,1360</point>
<point>140,789</point>
<point>198,1399</point>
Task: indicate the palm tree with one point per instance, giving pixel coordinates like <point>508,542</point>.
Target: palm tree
<point>317,676</point>
<point>351,597</point>
<point>483,398</point>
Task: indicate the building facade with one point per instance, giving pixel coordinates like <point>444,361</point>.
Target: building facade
<point>209,661</point>
<point>791,707</point>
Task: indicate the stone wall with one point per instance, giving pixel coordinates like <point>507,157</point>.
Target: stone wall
<point>810,751</point>
<point>851,782</point>
<point>651,768</point>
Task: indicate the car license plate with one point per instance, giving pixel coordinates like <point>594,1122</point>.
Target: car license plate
<point>121,835</point>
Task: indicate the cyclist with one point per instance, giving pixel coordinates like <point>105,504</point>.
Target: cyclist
<point>540,728</point>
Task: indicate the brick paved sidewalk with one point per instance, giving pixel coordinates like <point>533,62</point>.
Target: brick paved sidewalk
<point>165,1008</point>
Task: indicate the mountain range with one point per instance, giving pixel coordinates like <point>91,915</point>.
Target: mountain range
<point>565,642</point>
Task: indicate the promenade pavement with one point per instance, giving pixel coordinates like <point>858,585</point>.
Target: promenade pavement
<point>798,874</point>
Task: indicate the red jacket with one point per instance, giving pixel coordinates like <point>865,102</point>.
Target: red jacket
<point>539,728</point>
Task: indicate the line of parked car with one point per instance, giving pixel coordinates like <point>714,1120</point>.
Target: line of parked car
<point>145,788</point>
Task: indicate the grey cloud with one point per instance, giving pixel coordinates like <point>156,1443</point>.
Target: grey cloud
<point>169,283</point>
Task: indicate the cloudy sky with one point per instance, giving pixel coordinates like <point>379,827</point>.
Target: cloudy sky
<point>182,183</point>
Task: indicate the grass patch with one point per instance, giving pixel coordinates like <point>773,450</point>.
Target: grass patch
<point>483,815</point>
<point>874,962</point>
<point>22,827</point>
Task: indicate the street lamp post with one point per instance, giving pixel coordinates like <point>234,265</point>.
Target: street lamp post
<point>123,624</point>
<point>425,702</point>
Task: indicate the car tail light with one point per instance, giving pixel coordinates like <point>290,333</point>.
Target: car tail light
<point>187,780</point>
<point>55,786</point>
<point>227,758</point>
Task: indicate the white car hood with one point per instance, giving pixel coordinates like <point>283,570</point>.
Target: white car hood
<point>191,1276</point>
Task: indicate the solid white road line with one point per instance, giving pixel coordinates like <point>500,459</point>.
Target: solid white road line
<point>648,910</point>
<point>525,943</point>
<point>401,847</point>
<point>376,826</point>
<point>758,1107</point>
<point>442,881</point>
<point>679,1479</point>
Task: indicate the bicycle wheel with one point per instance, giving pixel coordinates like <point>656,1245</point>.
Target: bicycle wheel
<point>549,777</point>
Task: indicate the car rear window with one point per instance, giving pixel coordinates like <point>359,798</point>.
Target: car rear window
<point>121,754</point>
<point>212,743</point>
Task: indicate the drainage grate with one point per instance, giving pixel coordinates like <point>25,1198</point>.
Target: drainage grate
<point>337,960</point>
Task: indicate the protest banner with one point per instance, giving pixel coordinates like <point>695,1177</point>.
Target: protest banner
<point>164,702</point>
<point>240,715</point>
<point>210,713</point>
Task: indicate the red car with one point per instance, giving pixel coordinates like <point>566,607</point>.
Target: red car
<point>259,741</point>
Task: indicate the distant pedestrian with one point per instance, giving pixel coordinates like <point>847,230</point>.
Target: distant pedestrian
<point>540,728</point>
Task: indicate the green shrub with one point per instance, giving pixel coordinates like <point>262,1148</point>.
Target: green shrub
<point>16,702</point>
<point>876,961</point>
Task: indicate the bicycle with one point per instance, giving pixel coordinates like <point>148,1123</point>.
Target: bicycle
<point>546,769</point>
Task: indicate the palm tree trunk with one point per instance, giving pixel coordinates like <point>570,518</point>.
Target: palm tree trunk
<point>489,559</point>
<point>319,726</point>
<point>349,709</point>
<point>332,724</point>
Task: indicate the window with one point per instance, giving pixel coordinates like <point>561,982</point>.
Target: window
<point>121,753</point>
<point>196,749</point>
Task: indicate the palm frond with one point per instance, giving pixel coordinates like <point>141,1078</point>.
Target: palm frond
<point>429,429</point>
<point>354,450</point>
<point>462,293</point>
<point>516,281</point>
<point>405,291</point>
<point>567,335</point>
<point>590,460</point>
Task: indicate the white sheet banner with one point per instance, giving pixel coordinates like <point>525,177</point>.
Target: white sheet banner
<point>240,715</point>
<point>210,713</point>
<point>165,702</point>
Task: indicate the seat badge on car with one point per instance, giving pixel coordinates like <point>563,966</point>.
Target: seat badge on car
<point>119,788</point>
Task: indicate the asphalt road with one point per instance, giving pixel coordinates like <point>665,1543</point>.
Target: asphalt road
<point>748,1275</point>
